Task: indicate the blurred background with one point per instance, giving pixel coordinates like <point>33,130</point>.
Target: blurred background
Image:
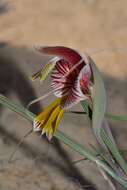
<point>86,25</point>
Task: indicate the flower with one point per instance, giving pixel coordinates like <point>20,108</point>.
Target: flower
<point>71,83</point>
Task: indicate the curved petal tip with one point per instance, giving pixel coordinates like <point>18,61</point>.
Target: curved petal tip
<point>66,53</point>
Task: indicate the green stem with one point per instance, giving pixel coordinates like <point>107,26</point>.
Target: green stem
<point>65,139</point>
<point>108,115</point>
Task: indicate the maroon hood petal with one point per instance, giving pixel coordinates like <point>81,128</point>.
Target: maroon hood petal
<point>66,53</point>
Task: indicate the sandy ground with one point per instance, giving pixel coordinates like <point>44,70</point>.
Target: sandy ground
<point>86,25</point>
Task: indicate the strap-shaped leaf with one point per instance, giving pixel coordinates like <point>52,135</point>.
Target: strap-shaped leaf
<point>99,100</point>
<point>65,139</point>
<point>99,124</point>
<point>108,115</point>
<point>117,117</point>
<point>85,106</point>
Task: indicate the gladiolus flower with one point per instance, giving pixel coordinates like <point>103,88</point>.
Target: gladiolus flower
<point>71,83</point>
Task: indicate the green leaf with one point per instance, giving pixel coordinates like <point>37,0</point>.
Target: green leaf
<point>99,154</point>
<point>99,124</point>
<point>65,139</point>
<point>99,107</point>
<point>117,117</point>
<point>85,106</point>
<point>99,101</point>
<point>108,115</point>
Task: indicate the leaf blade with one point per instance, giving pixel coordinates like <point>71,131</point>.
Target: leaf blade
<point>100,125</point>
<point>65,139</point>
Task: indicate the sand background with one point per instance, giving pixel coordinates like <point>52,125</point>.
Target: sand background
<point>86,25</point>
